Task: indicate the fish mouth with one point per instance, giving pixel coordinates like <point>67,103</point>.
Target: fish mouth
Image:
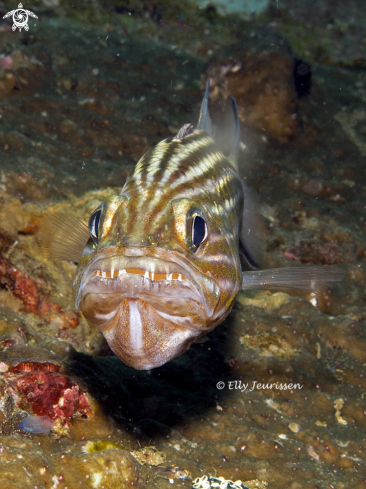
<point>149,309</point>
<point>169,285</point>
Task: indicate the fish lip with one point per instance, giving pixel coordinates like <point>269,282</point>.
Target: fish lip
<point>136,257</point>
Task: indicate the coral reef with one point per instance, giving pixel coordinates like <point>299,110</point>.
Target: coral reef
<point>25,289</point>
<point>11,418</point>
<point>275,397</point>
<point>214,482</point>
<point>22,72</point>
<point>263,87</point>
<point>40,386</point>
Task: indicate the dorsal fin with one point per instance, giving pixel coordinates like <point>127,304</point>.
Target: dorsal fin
<point>184,131</point>
<point>204,119</point>
<point>226,134</point>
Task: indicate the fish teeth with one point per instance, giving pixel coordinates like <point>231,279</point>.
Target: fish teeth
<point>120,274</point>
<point>168,278</point>
<point>146,276</point>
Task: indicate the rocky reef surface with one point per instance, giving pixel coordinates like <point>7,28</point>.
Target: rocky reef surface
<point>275,398</point>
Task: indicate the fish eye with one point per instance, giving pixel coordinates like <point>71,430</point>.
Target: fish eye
<point>199,231</point>
<point>94,223</point>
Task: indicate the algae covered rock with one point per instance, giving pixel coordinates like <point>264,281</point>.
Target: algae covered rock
<point>25,465</point>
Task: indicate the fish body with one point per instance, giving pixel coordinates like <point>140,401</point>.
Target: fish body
<point>166,267</point>
<point>161,267</point>
<point>36,424</point>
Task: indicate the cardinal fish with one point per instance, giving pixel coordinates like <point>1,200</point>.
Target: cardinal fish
<point>160,264</point>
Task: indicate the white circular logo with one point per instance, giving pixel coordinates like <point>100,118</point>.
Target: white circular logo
<point>20,17</point>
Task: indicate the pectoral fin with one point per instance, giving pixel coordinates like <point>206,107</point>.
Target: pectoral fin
<point>62,236</point>
<point>311,278</point>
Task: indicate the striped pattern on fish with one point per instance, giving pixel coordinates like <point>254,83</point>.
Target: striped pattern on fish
<point>188,168</point>
<point>203,174</point>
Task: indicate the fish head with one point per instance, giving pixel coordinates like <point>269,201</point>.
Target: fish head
<point>156,278</point>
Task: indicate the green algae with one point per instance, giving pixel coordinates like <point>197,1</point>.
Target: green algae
<point>93,446</point>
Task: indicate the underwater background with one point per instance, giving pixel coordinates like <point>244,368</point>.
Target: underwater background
<point>276,397</point>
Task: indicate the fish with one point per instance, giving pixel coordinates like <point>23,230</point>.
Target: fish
<point>160,263</point>
<point>36,424</point>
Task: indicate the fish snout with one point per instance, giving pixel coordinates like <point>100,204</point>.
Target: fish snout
<point>135,242</point>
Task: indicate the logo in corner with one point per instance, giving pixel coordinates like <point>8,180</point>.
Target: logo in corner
<point>20,17</point>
